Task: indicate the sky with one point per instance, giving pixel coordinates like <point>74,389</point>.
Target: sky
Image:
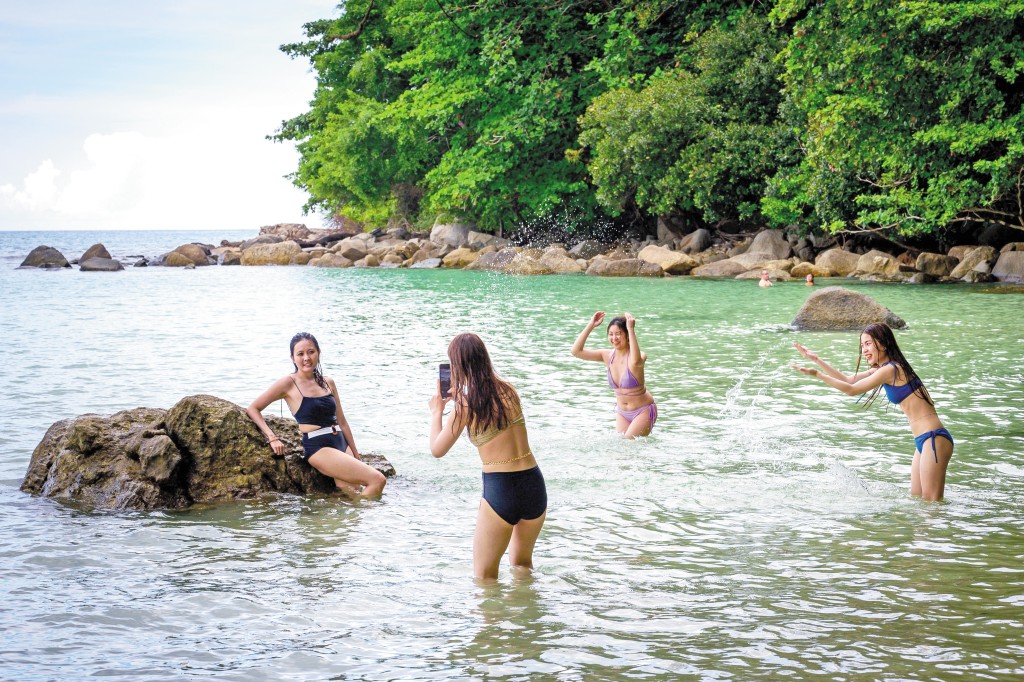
<point>120,114</point>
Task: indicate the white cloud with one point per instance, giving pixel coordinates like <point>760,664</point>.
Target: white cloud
<point>151,116</point>
<point>208,178</point>
<point>39,190</point>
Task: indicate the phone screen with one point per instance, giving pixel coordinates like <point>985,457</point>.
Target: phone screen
<point>445,372</point>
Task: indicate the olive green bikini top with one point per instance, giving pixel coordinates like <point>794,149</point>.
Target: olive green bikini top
<point>489,434</point>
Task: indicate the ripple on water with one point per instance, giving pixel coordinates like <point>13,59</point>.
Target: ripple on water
<point>763,531</point>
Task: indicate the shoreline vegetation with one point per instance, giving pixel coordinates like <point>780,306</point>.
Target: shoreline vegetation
<point>844,118</point>
<point>785,256</point>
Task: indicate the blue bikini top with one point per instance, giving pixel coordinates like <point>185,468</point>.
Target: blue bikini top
<point>319,411</point>
<point>897,394</point>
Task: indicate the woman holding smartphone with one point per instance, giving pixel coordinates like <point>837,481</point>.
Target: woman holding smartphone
<point>635,410</point>
<point>327,441</point>
<point>514,503</point>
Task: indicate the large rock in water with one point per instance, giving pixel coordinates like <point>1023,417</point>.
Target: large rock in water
<point>202,450</point>
<point>45,257</point>
<point>842,309</point>
<point>97,264</point>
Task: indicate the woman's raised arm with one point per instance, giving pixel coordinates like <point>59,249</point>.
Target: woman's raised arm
<point>581,340</point>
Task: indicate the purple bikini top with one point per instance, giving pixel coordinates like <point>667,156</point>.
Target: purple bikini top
<point>629,382</point>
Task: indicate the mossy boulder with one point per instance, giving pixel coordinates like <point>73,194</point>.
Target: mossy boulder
<point>838,308</point>
<point>203,450</point>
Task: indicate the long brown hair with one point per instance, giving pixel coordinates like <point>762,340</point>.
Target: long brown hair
<point>884,338</point>
<point>488,399</point>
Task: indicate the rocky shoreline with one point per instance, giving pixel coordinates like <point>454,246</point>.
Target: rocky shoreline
<point>459,246</point>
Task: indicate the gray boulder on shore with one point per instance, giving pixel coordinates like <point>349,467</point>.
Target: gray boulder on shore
<point>838,308</point>
<point>203,450</point>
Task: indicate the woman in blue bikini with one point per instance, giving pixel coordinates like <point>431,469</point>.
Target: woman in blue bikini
<point>515,499</point>
<point>635,410</point>
<point>327,440</point>
<point>889,370</point>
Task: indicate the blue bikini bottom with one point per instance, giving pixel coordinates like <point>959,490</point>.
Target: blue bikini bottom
<point>919,441</point>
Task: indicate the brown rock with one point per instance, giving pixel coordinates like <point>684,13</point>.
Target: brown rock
<point>935,264</point>
<point>719,268</point>
<point>839,261</point>
<point>288,231</point>
<point>672,262</point>
<point>331,260</point>
<point>202,450</point>
<point>494,261</point>
<point>876,262</point>
<point>460,258</point>
<point>772,243</point>
<point>774,275</point>
<point>95,251</point>
<point>45,257</point>
<point>801,270</point>
<point>839,308</point>
<point>960,251</point>
<point>177,260</point>
<point>271,254</point>
<point>972,258</point>
<point>97,264</point>
<point>695,242</point>
<point>1009,267</point>
<point>624,267</point>
<point>194,253</point>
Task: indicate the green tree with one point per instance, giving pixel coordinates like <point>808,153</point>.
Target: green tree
<point>697,139</point>
<point>910,114</point>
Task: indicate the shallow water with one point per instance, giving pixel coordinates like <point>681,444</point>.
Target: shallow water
<point>763,532</point>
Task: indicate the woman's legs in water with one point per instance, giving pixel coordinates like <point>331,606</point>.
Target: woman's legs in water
<point>524,537</point>
<point>928,477</point>
<point>490,541</point>
<point>347,471</point>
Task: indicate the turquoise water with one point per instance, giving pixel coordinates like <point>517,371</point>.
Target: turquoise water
<point>763,532</point>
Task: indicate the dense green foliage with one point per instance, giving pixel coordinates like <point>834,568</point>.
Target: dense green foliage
<point>834,114</point>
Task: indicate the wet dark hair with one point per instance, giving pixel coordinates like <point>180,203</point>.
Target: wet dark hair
<point>619,322</point>
<point>884,338</point>
<point>318,373</point>
<point>487,398</point>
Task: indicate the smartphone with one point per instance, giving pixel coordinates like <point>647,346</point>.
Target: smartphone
<point>445,372</point>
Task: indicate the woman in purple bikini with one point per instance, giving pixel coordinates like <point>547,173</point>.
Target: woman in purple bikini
<point>635,411</point>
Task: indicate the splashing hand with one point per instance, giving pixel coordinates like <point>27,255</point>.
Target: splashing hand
<point>804,370</point>
<point>809,354</point>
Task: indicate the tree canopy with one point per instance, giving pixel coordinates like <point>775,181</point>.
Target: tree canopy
<point>832,115</point>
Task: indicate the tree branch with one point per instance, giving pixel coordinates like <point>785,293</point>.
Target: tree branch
<point>355,34</point>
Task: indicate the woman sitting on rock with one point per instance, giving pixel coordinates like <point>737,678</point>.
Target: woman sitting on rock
<point>635,409</point>
<point>515,498</point>
<point>326,436</point>
<point>889,370</point>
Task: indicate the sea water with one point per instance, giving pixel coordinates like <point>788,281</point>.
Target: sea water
<point>763,532</point>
